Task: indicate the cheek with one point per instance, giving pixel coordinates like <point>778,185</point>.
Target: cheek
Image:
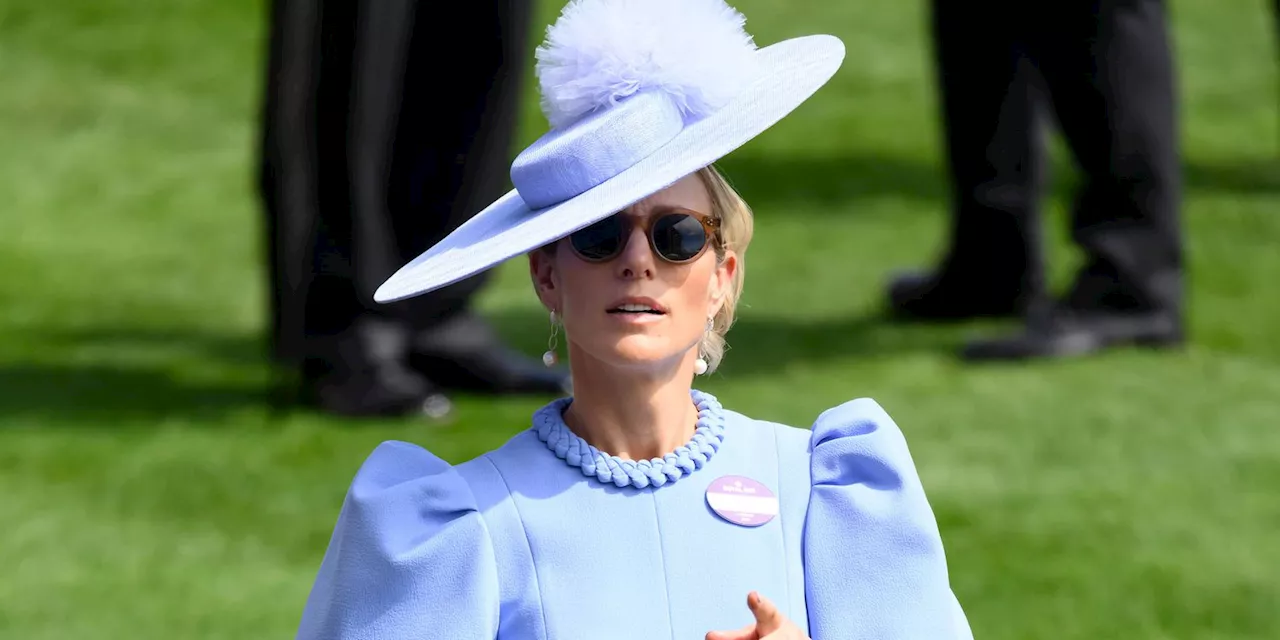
<point>580,287</point>
<point>696,296</point>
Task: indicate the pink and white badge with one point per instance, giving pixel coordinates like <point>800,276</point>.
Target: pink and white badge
<point>741,500</point>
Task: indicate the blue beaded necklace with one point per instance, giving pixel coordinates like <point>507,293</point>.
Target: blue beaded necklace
<point>549,424</point>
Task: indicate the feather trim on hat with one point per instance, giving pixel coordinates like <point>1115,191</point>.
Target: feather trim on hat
<point>600,51</point>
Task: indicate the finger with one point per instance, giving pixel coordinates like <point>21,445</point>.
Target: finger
<point>745,633</point>
<point>768,619</point>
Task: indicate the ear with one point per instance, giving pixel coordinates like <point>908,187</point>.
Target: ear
<point>546,280</point>
<point>722,281</point>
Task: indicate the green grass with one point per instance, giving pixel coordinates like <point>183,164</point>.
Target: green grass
<point>149,493</point>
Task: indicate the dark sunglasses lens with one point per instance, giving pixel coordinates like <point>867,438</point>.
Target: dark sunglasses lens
<point>678,236</point>
<point>600,241</point>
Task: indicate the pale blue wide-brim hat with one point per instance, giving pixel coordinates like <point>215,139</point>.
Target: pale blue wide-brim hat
<point>639,94</point>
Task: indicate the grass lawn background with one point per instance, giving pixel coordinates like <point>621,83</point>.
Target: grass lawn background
<point>147,492</point>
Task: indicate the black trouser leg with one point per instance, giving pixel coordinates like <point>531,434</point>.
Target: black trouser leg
<point>1109,70</point>
<point>288,177</point>
<point>992,143</point>
<point>430,136</point>
<point>456,128</point>
<point>311,175</point>
<point>382,132</point>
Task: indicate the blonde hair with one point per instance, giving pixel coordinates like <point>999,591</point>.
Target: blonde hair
<point>736,227</point>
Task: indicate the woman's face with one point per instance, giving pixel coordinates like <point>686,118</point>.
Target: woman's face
<point>598,302</point>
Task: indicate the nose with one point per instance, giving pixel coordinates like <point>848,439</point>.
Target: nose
<point>636,260</point>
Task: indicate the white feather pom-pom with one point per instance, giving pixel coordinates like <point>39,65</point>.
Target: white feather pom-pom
<point>600,51</point>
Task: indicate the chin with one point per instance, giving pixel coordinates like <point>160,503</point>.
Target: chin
<point>641,352</point>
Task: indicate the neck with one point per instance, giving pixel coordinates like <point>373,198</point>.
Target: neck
<point>632,414</point>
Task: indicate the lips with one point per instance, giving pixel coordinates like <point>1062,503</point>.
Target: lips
<point>647,306</point>
<point>635,309</point>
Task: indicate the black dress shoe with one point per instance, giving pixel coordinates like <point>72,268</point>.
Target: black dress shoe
<point>464,353</point>
<point>944,296</point>
<point>380,393</point>
<point>363,372</point>
<point>1065,333</point>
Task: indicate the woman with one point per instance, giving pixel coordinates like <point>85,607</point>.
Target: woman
<point>640,508</point>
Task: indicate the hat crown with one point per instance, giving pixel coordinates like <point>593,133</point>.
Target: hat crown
<point>567,162</point>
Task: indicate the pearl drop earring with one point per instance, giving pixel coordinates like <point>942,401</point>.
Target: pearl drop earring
<point>700,365</point>
<point>550,358</point>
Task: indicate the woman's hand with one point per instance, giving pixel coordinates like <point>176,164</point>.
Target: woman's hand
<point>770,624</point>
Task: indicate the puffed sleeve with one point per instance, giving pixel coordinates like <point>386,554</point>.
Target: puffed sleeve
<point>874,562</point>
<point>410,557</point>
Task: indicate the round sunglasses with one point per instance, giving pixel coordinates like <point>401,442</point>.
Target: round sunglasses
<point>677,236</point>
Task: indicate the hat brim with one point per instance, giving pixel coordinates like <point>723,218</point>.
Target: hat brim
<point>790,72</point>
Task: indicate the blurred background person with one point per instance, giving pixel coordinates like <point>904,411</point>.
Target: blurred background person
<point>362,169</point>
<point>1105,68</point>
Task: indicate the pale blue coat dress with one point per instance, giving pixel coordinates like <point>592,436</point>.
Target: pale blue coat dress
<point>548,539</point>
